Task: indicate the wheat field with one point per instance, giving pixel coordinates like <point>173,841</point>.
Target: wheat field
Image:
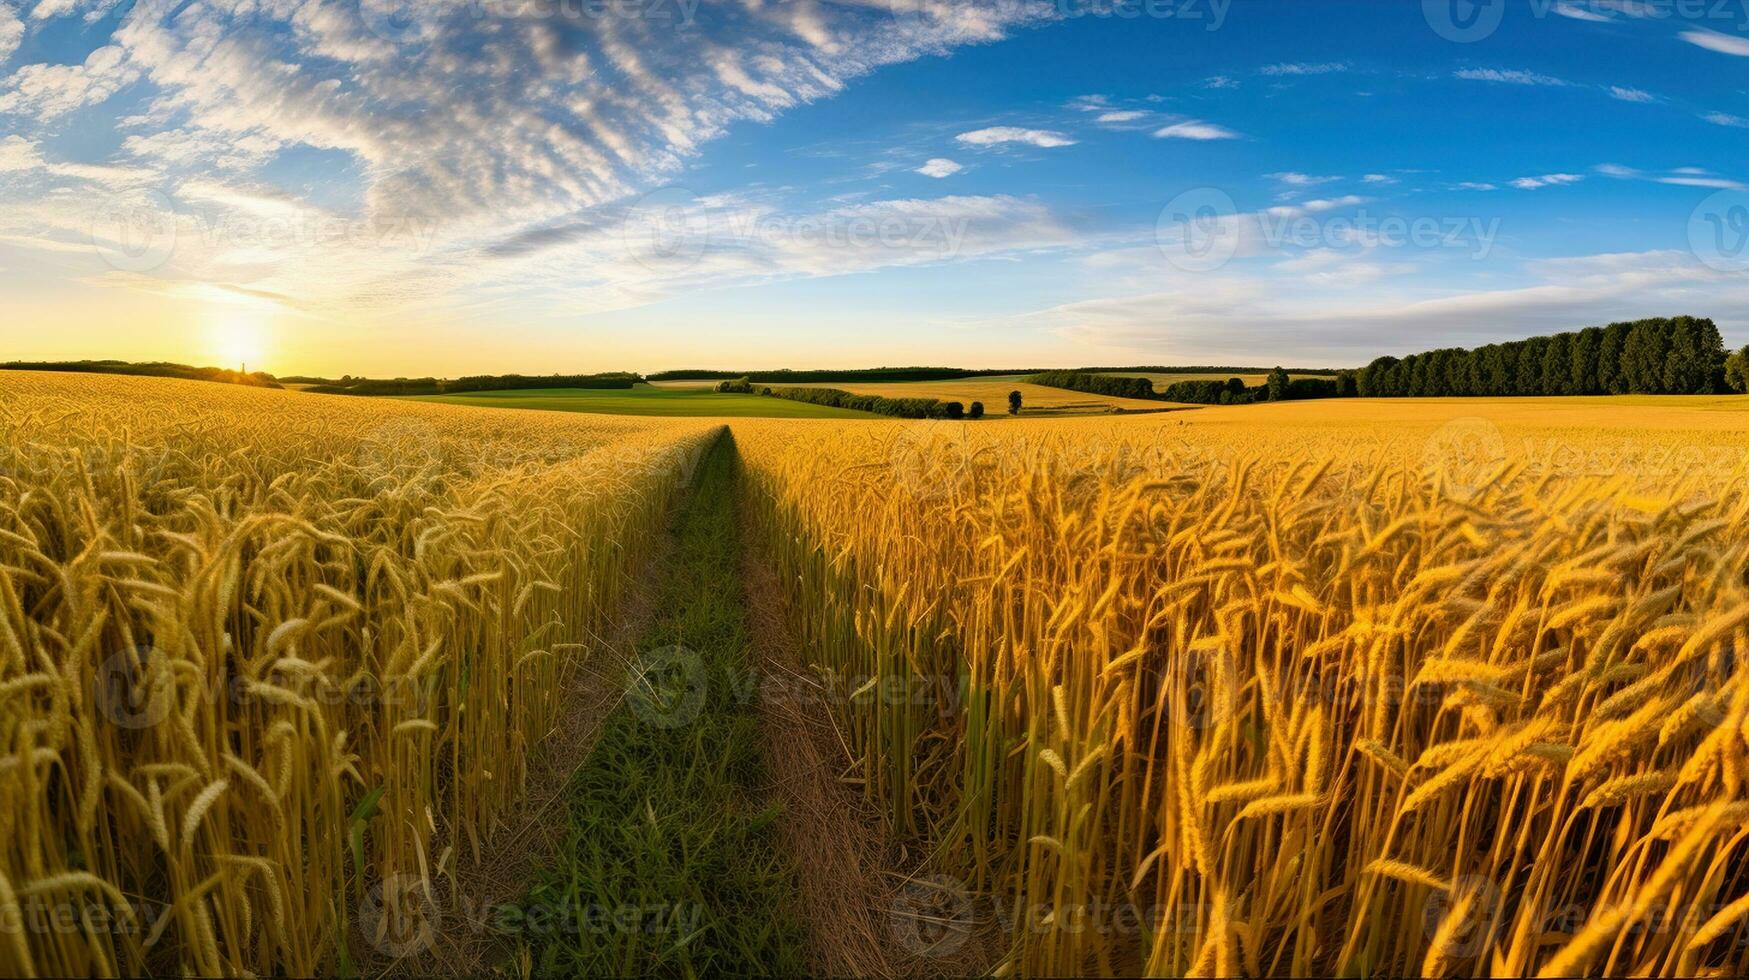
<point>1379,688</point>
<point>1359,688</point>
<point>261,652</point>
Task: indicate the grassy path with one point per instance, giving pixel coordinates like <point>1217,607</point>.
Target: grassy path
<point>670,864</point>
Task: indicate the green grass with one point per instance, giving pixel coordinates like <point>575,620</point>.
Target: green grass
<point>670,866</point>
<point>646,400</point>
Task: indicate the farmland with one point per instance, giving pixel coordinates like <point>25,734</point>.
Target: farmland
<point>992,391</point>
<point>1360,687</point>
<point>653,400</point>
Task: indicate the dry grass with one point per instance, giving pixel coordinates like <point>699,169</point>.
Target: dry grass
<point>1351,688</point>
<point>271,665</point>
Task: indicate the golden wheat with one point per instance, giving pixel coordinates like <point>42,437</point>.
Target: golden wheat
<point>1236,627</point>
<point>261,652</point>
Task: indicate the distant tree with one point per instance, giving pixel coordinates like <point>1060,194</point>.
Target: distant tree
<point>1346,385</point>
<point>1737,371</point>
<point>1014,403</point>
<point>976,411</point>
<point>1583,373</point>
<point>1643,359</point>
<point>1557,369</point>
<point>1235,390</point>
<point>1375,378</point>
<point>1611,369</point>
<point>954,410</point>
<point>765,391</point>
<point>1277,385</point>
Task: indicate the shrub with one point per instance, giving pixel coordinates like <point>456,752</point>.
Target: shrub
<point>976,411</point>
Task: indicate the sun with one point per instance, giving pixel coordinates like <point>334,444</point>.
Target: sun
<point>238,337</point>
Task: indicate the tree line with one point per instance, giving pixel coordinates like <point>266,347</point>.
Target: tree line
<point>1662,356</point>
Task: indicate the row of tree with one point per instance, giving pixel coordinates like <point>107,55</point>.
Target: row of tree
<point>1665,356</point>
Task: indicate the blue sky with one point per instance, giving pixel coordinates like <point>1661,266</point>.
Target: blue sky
<point>467,185</point>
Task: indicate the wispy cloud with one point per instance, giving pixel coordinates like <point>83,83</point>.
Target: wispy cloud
<point>1306,68</point>
<point>1195,129</point>
<point>997,135</point>
<point>1722,43</point>
<point>1726,119</point>
<point>1626,94</point>
<point>1296,179</point>
<point>1509,77</point>
<point>1546,180</point>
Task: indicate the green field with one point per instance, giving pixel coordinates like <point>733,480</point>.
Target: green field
<point>645,400</point>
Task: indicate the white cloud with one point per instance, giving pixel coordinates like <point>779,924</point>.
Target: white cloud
<point>481,130</point>
<point>1722,43</point>
<point>1121,116</point>
<point>1631,94</point>
<point>47,91</point>
<point>1577,12</point>
<point>1194,129</point>
<point>1347,320</point>
<point>940,167</point>
<point>1330,204</point>
<point>1726,119</point>
<point>995,135</point>
<point>1509,77</point>
<point>1546,180</point>
<point>11,31</point>
<point>1720,183</point>
<point>1379,179</point>
<point>1616,170</point>
<point>1304,68</point>
<point>1221,81</point>
<point>1470,185</point>
<point>1296,179</point>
